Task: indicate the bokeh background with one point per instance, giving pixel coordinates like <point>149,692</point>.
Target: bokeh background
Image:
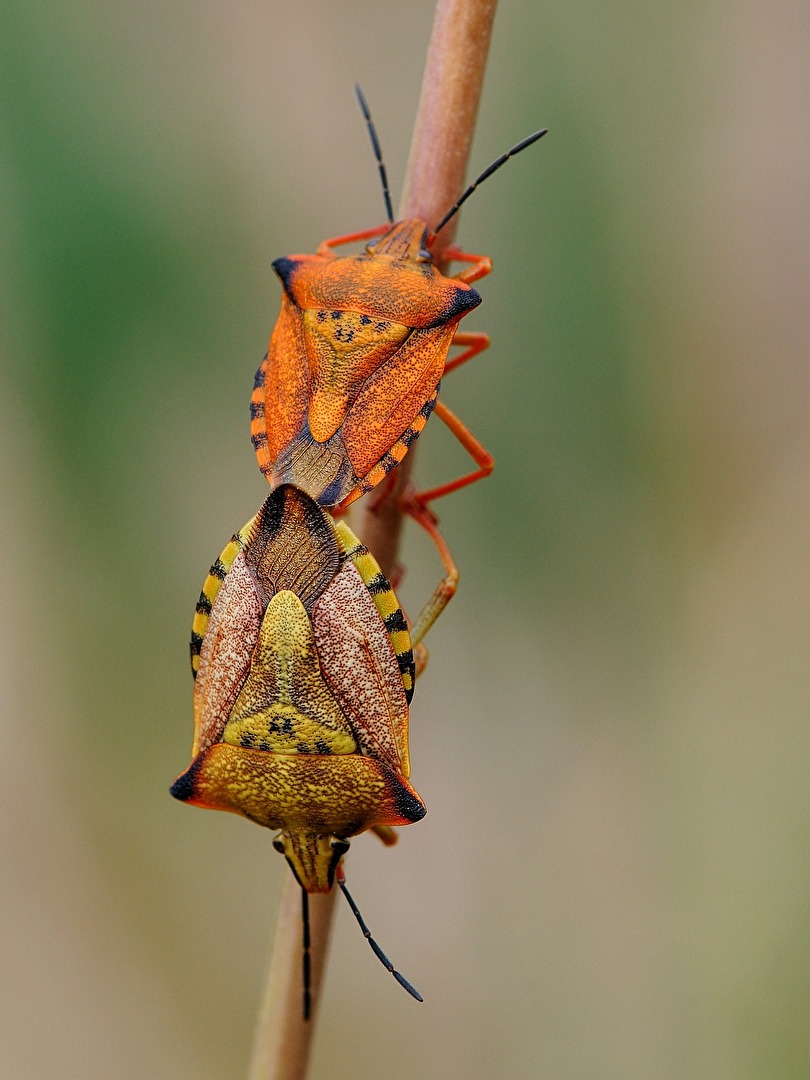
<point>612,736</point>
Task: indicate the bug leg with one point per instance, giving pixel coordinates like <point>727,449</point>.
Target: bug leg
<point>480,455</point>
<point>475,343</point>
<point>326,247</point>
<point>396,576</point>
<point>383,492</point>
<point>481,265</point>
<point>420,659</point>
<point>446,589</point>
<point>386,834</point>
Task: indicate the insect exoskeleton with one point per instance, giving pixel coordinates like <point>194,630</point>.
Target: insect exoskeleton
<point>354,363</point>
<point>356,359</point>
<point>304,671</point>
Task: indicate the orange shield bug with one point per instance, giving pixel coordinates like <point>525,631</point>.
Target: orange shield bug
<point>303,675</point>
<point>356,359</point>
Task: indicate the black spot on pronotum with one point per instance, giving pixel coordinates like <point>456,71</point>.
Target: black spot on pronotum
<point>464,300</point>
<point>183,787</point>
<point>285,268</point>
<point>409,806</point>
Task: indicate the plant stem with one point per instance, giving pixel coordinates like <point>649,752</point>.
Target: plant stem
<point>437,166</point>
<point>282,1042</point>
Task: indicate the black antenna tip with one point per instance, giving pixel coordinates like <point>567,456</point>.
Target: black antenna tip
<point>362,99</point>
<point>490,169</point>
<point>375,948</point>
<point>529,140</point>
<point>375,146</point>
<point>403,982</point>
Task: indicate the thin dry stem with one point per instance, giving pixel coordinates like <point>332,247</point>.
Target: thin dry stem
<point>282,1041</point>
<point>437,166</point>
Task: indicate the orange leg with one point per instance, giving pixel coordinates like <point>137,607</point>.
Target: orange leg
<point>412,505</point>
<point>383,491</point>
<point>446,589</point>
<point>420,659</point>
<point>386,834</point>
<point>480,455</point>
<point>481,264</point>
<point>381,494</point>
<point>475,342</point>
<point>396,576</point>
<point>326,246</point>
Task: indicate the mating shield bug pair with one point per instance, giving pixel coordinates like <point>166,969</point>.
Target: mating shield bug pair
<point>355,363</point>
<point>302,657</point>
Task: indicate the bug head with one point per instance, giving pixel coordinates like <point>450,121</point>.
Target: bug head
<point>412,239</point>
<point>313,857</point>
<point>405,240</point>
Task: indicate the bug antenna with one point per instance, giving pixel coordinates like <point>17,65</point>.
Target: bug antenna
<point>454,209</point>
<point>375,146</point>
<point>305,953</point>
<point>403,982</point>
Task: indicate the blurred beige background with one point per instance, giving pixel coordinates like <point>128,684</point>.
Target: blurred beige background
<point>612,737</point>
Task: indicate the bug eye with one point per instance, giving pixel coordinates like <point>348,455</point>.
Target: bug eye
<point>340,847</point>
<point>278,844</point>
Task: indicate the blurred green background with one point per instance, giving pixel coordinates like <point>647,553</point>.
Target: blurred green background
<point>612,736</point>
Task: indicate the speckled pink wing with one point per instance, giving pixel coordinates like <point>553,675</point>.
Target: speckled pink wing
<point>359,664</point>
<point>225,654</point>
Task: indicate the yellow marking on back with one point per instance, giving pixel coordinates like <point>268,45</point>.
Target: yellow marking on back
<point>285,705</point>
<point>211,587</point>
<point>385,600</point>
